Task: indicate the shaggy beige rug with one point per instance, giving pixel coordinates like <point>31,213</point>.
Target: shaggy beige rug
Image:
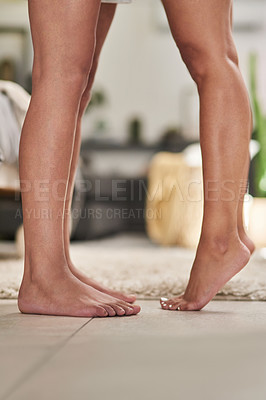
<point>133,265</point>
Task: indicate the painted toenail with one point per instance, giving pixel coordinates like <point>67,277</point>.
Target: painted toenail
<point>170,306</point>
<point>178,309</point>
<point>163,299</point>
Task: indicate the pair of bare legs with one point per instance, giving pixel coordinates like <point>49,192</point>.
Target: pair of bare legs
<point>65,63</point>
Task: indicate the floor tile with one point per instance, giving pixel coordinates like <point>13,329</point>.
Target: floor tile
<point>219,353</point>
<point>8,307</point>
<point>28,341</point>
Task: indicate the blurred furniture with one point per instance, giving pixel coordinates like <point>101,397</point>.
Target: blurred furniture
<point>10,213</point>
<point>114,186</point>
<point>175,201</point>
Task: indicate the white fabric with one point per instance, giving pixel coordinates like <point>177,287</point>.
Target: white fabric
<point>9,132</point>
<point>14,102</point>
<point>18,97</point>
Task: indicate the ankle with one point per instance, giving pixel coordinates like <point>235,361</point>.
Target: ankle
<point>219,244</point>
<point>43,268</point>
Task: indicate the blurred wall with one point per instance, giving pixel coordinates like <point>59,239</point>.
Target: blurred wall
<point>141,70</point>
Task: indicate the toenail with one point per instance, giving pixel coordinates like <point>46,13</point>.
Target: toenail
<point>170,306</point>
<point>163,299</point>
<point>178,309</point>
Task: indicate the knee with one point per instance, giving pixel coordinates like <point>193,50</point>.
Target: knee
<point>204,61</point>
<point>67,75</point>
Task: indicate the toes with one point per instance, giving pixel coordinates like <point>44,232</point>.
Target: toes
<point>128,307</point>
<point>110,310</point>
<point>131,298</point>
<point>163,302</point>
<point>120,311</point>
<point>136,309</point>
<point>168,304</point>
<point>164,306</point>
<point>177,306</point>
<point>99,311</point>
<point>132,309</point>
<point>128,310</point>
<point>120,305</point>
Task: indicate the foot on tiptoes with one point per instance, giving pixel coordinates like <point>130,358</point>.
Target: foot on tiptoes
<point>85,279</point>
<point>213,267</point>
<point>62,293</point>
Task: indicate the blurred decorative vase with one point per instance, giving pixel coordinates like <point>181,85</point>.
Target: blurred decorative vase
<point>174,207</point>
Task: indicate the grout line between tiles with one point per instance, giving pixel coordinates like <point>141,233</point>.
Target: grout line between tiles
<point>44,360</point>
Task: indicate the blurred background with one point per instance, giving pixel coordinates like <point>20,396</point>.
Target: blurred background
<point>144,110</point>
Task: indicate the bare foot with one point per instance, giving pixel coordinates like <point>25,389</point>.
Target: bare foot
<point>247,241</point>
<point>64,294</point>
<point>85,279</point>
<point>213,267</point>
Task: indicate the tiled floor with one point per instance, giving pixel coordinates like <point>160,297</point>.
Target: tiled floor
<point>218,353</point>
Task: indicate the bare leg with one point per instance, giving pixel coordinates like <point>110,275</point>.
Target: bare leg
<point>202,31</point>
<point>240,221</point>
<point>63,34</point>
<point>106,15</point>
